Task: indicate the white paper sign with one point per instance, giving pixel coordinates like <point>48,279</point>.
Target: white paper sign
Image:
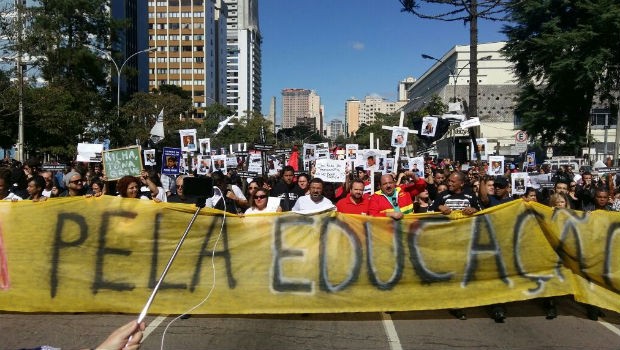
<point>89,152</point>
<point>330,170</point>
<point>470,123</point>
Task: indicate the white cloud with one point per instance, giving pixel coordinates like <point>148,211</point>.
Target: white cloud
<point>358,46</point>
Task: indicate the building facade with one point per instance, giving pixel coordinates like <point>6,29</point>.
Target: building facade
<point>335,128</point>
<point>364,112</point>
<point>302,107</point>
<point>448,78</point>
<point>244,89</point>
<point>186,36</point>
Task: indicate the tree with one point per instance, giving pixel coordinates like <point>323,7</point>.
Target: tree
<point>565,53</point>
<point>468,11</point>
<point>434,107</point>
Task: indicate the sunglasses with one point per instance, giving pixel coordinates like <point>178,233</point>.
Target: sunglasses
<point>260,197</point>
<point>76,181</point>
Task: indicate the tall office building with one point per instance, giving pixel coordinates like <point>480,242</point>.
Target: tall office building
<point>132,39</point>
<point>301,107</point>
<point>186,36</point>
<point>351,116</point>
<point>335,128</point>
<point>272,114</point>
<point>244,57</point>
<point>365,111</point>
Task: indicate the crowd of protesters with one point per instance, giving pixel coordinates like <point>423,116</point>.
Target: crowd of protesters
<point>445,187</point>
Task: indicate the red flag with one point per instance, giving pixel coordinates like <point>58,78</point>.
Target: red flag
<point>294,159</point>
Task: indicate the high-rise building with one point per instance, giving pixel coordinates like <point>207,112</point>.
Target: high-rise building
<point>351,116</point>
<point>365,111</point>
<point>132,39</point>
<point>186,36</point>
<point>272,114</point>
<point>403,87</point>
<point>335,128</point>
<point>244,56</point>
<point>301,107</point>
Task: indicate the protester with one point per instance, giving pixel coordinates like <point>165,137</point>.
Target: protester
<point>314,201</point>
<point>151,186</point>
<point>585,191</point>
<point>179,196</point>
<point>128,187</point>
<point>49,184</point>
<point>303,181</point>
<point>262,203</point>
<point>601,201</point>
<point>97,188</point>
<point>286,189</point>
<point>391,200</point>
<point>501,192</point>
<point>35,188</point>
<point>220,200</point>
<point>356,202</point>
<point>457,198</point>
<point>558,200</point>
<point>5,185</point>
<point>422,202</point>
<point>530,195</point>
<point>74,185</point>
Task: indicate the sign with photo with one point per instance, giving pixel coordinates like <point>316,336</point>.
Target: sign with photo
<point>399,137</point>
<point>205,146</point>
<point>389,166</point>
<point>351,151</point>
<point>149,157</point>
<point>219,163</point>
<point>309,152</point>
<point>520,181</point>
<point>171,161</point>
<point>204,165</point>
<point>255,162</point>
<point>482,147</point>
<point>496,165</point>
<point>429,126</point>
<point>370,159</point>
<point>188,140</point>
<point>416,164</point>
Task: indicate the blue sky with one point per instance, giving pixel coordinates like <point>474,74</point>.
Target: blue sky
<point>350,48</point>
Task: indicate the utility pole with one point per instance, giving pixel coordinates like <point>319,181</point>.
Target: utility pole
<point>20,81</point>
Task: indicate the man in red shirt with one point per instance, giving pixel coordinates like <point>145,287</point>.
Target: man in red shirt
<point>391,200</point>
<point>356,202</point>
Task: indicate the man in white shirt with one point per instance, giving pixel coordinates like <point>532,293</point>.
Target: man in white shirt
<point>314,201</point>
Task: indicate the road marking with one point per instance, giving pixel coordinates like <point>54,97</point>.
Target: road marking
<point>153,325</point>
<point>390,331</point>
<point>610,327</point>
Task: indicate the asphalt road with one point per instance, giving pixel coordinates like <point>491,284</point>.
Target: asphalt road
<point>525,328</point>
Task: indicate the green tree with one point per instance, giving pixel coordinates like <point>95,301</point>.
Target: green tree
<point>565,53</point>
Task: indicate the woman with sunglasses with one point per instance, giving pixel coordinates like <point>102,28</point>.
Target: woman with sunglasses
<point>260,202</point>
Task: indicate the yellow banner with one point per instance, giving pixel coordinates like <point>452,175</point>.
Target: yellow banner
<point>106,254</point>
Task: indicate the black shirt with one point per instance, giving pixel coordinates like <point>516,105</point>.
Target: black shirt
<point>455,201</point>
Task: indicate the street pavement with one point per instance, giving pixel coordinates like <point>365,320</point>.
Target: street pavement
<point>525,328</point>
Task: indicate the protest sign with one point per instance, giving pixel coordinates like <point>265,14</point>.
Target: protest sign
<point>330,170</point>
<point>121,162</point>
<point>89,152</point>
<point>149,157</point>
<point>287,263</point>
<point>171,159</point>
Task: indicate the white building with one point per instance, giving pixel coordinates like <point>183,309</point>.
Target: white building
<point>244,56</point>
<point>365,111</point>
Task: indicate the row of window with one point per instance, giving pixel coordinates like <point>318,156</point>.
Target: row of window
<point>176,26</point>
<point>184,48</point>
<point>176,59</point>
<point>176,3</point>
<point>177,71</point>
<point>177,82</point>
<point>198,14</point>
<point>177,37</point>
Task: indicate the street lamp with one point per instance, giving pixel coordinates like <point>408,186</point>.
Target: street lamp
<point>454,75</point>
<point>118,72</point>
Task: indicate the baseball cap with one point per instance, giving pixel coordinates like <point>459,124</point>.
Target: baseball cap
<point>500,182</point>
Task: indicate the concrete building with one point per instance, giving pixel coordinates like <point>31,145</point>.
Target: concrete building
<point>334,129</point>
<point>403,88</point>
<point>302,107</point>
<point>364,112</point>
<point>448,78</point>
<point>185,34</point>
<point>244,90</point>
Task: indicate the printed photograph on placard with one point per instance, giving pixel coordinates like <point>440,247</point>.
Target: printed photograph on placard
<point>519,183</point>
<point>188,140</point>
<point>416,164</point>
<point>149,157</point>
<point>219,163</point>
<point>399,137</point>
<point>309,152</point>
<point>531,159</point>
<point>389,166</point>
<point>322,153</point>
<point>371,160</point>
<point>429,126</point>
<point>482,147</point>
<point>496,165</point>
<point>351,151</point>
<point>404,163</point>
<point>170,161</point>
<point>204,166</point>
<point>205,146</point>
